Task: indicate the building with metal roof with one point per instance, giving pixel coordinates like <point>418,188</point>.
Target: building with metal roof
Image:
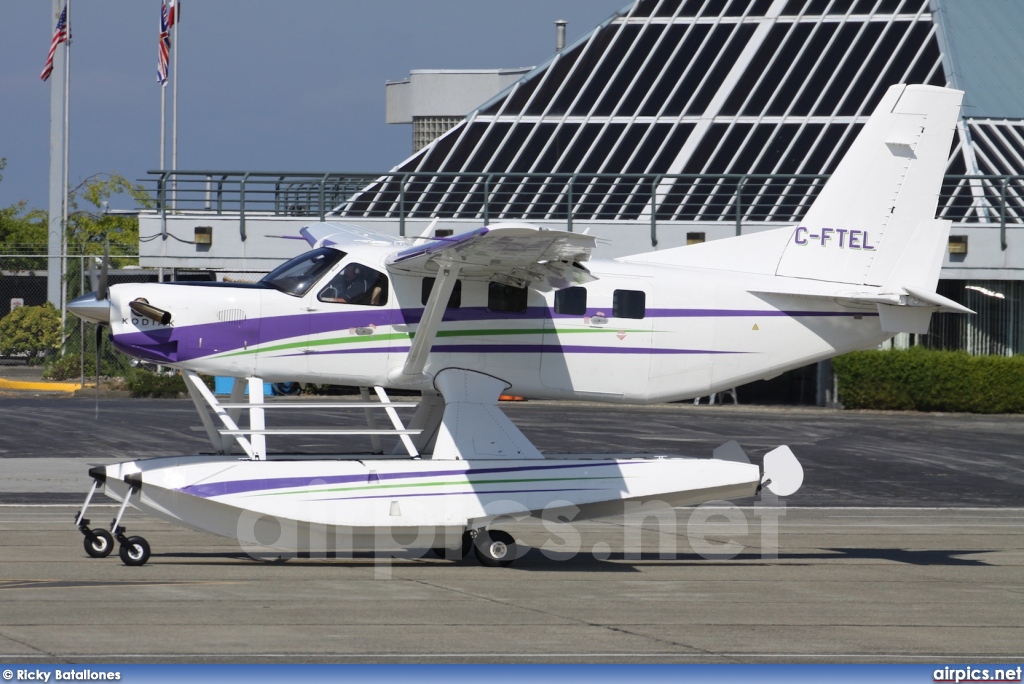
<point>750,88</point>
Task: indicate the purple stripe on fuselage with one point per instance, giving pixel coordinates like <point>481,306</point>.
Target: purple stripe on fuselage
<point>228,487</point>
<point>474,492</point>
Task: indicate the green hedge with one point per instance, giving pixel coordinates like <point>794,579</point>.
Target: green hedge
<point>920,379</point>
<point>144,383</point>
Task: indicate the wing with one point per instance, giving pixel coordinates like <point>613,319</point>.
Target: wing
<point>517,254</point>
<point>342,234</point>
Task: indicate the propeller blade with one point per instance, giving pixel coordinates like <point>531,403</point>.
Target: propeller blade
<point>94,283</point>
<point>101,291</point>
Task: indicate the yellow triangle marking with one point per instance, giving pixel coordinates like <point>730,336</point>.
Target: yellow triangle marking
<point>755,327</point>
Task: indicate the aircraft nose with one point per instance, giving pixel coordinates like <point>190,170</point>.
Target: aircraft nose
<point>89,308</point>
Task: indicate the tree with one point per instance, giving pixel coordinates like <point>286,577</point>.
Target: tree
<point>31,330</point>
<point>89,230</point>
<point>22,231</point>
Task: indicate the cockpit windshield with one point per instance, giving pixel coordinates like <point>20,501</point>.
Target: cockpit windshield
<point>296,276</point>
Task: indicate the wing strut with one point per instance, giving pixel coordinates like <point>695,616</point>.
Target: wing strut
<point>426,333</point>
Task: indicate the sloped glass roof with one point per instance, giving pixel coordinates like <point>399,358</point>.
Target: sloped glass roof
<point>677,87</point>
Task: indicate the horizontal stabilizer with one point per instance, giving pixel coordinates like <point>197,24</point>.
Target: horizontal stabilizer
<point>914,313</point>
<point>945,304</point>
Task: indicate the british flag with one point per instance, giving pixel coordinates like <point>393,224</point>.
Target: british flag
<point>60,35</point>
<point>165,44</point>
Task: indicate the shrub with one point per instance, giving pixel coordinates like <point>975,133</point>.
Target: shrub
<point>69,367</point>
<point>31,330</point>
<point>144,383</point>
<point>928,380</point>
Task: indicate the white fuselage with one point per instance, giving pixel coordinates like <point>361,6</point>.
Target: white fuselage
<point>701,330</point>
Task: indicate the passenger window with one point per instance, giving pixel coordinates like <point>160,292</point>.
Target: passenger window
<point>629,304</point>
<point>502,297</point>
<point>357,284</point>
<point>454,300</point>
<point>571,300</point>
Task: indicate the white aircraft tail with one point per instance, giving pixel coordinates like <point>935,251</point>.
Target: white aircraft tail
<point>873,223</point>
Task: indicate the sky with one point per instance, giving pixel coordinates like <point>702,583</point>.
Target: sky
<point>282,85</point>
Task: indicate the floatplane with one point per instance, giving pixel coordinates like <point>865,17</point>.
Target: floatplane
<point>514,308</point>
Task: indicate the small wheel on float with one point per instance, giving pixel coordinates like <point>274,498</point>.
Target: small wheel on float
<point>101,545</point>
<point>135,552</point>
<point>494,548</point>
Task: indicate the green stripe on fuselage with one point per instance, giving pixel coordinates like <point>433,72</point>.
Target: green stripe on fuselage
<point>356,339</point>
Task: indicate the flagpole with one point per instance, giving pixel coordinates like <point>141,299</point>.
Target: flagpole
<point>174,112</point>
<point>64,186</point>
<point>54,72</point>
<point>163,126</point>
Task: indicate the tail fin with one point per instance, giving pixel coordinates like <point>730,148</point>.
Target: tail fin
<point>873,222</point>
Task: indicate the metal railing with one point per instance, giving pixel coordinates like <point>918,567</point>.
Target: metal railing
<point>643,198</point>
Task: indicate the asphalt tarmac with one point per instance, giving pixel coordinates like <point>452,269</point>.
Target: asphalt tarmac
<point>850,458</point>
<point>906,544</point>
<point>847,585</point>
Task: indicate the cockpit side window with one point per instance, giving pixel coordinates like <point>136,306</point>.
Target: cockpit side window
<point>356,284</point>
<point>296,276</point>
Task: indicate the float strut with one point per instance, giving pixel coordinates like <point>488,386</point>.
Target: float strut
<point>115,525</point>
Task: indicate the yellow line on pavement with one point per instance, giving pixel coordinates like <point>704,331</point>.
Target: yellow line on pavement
<point>40,386</point>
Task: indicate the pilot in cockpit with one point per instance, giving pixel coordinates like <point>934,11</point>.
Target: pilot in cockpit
<point>349,287</point>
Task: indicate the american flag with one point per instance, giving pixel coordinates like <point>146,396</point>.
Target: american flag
<point>61,34</point>
<point>165,44</point>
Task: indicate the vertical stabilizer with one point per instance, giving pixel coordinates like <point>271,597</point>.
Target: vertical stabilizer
<point>869,217</point>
